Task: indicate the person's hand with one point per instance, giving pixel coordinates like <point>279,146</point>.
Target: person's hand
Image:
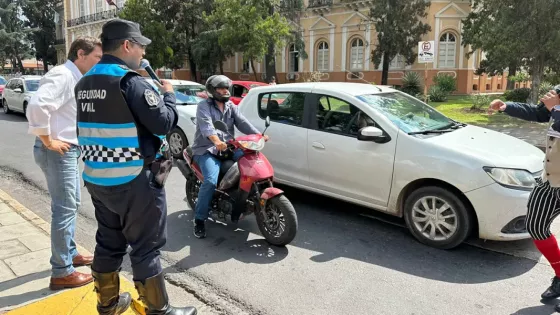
<point>265,138</point>
<point>496,105</point>
<point>58,146</point>
<point>550,100</point>
<point>221,146</point>
<point>165,87</point>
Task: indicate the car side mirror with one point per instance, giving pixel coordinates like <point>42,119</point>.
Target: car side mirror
<point>18,90</point>
<point>220,125</point>
<point>373,134</point>
<point>267,121</point>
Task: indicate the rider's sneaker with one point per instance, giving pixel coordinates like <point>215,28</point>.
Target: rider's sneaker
<point>199,229</point>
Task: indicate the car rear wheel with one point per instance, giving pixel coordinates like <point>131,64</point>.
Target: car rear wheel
<point>437,217</point>
<point>177,142</point>
<point>7,110</point>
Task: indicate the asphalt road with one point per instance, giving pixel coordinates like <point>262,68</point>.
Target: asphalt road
<point>340,262</point>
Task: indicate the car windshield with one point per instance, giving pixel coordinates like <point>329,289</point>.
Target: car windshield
<point>408,113</point>
<point>185,99</point>
<point>31,85</point>
<point>2,81</point>
<point>194,90</point>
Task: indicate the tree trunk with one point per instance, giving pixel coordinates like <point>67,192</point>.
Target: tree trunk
<point>511,72</point>
<point>537,71</point>
<point>20,64</point>
<point>270,58</point>
<point>253,67</point>
<point>221,67</point>
<point>45,66</point>
<point>385,73</point>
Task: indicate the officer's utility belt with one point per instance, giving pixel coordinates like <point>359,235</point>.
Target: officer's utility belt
<point>161,165</point>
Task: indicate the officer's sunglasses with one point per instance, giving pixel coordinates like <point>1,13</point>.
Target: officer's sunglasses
<point>137,43</point>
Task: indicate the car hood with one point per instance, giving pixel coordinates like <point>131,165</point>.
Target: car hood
<point>492,148</point>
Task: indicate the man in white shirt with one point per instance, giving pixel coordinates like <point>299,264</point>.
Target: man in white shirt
<point>51,113</point>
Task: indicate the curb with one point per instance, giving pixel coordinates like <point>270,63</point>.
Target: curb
<point>81,300</point>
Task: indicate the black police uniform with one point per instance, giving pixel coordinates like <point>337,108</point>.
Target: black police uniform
<point>121,124</point>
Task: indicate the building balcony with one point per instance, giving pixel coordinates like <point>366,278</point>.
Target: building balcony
<point>100,16</point>
<point>357,4</point>
<point>59,41</point>
<point>320,6</point>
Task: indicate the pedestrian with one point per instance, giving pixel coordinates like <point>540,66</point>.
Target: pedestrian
<point>272,81</point>
<point>544,201</point>
<point>51,113</point>
<point>122,123</point>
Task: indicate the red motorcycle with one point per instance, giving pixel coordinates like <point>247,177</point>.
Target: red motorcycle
<point>247,185</point>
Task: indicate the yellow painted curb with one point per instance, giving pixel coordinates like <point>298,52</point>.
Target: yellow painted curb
<point>78,301</point>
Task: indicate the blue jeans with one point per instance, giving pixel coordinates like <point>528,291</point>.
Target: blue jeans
<point>210,167</point>
<point>63,180</point>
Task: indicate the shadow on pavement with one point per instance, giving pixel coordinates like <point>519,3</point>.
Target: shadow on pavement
<point>16,117</point>
<point>546,308</point>
<point>336,229</point>
<point>16,291</point>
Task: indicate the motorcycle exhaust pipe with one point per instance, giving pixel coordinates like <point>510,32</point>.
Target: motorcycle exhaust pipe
<point>182,166</point>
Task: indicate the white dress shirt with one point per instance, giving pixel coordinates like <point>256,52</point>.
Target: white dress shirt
<point>52,109</point>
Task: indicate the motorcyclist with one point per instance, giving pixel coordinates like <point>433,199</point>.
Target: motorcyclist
<point>209,146</point>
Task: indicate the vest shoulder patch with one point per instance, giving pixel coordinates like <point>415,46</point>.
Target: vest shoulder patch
<point>151,97</point>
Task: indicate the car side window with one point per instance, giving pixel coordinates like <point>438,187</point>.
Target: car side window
<point>10,85</point>
<point>286,108</point>
<point>239,90</point>
<point>340,117</point>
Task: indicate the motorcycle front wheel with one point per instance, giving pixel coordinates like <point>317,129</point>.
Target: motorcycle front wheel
<point>279,224</point>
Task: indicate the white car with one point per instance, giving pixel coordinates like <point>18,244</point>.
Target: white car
<point>383,149</point>
<point>18,91</point>
<point>188,94</point>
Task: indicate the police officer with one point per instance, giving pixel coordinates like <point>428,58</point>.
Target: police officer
<point>122,121</point>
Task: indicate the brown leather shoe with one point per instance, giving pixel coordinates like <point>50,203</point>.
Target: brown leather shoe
<point>73,280</point>
<point>82,260</point>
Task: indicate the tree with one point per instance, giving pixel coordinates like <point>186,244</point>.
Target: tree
<point>159,52</point>
<point>523,33</point>
<point>247,27</point>
<point>40,19</point>
<point>399,29</point>
<point>13,33</point>
<point>207,54</point>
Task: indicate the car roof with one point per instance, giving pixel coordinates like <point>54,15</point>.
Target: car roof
<point>28,77</point>
<point>178,82</point>
<point>350,88</point>
<point>248,83</point>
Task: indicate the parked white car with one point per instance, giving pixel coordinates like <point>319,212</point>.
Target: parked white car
<point>188,94</point>
<point>18,91</point>
<point>383,149</point>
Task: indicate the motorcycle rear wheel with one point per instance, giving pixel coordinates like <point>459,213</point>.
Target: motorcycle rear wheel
<point>280,225</point>
<point>191,189</point>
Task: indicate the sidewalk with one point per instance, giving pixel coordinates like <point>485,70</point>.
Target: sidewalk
<point>25,268</point>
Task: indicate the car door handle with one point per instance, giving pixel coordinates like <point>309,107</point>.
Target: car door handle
<point>318,145</point>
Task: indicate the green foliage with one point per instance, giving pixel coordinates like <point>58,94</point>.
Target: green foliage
<point>400,24</point>
<point>437,94</point>
<point>159,52</point>
<point>412,83</point>
<point>519,77</point>
<point>207,54</point>
<point>518,95</point>
<point>445,82</point>
<point>247,27</point>
<point>545,88</point>
<point>14,36</point>
<point>480,100</point>
<point>40,18</point>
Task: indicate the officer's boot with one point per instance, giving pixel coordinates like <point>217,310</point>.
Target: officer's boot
<point>109,301</point>
<point>154,295</point>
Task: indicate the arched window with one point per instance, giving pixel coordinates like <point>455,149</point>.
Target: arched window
<point>323,57</point>
<point>357,54</point>
<point>447,50</point>
<point>294,59</point>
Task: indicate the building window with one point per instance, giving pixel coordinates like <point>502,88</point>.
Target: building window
<point>323,57</point>
<point>98,6</point>
<point>447,50</point>
<point>294,59</point>
<point>357,54</point>
<point>397,63</point>
<point>120,3</point>
<point>82,6</point>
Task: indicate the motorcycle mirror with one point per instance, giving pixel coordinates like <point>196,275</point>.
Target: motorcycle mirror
<point>220,125</point>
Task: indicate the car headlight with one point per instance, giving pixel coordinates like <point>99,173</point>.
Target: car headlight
<point>193,119</point>
<point>511,178</point>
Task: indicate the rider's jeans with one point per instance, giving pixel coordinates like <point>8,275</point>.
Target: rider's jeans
<point>210,167</point>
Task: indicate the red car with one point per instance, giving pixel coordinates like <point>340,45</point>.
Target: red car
<point>2,85</point>
<point>240,88</point>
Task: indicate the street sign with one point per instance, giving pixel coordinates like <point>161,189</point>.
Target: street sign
<point>426,51</point>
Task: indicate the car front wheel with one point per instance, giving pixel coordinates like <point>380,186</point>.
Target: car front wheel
<point>177,142</point>
<point>437,217</point>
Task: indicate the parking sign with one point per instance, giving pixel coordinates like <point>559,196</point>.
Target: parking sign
<point>426,51</point>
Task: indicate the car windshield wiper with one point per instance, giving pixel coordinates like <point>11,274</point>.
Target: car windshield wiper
<point>425,132</point>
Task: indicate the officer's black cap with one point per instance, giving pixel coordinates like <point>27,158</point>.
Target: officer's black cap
<point>120,29</point>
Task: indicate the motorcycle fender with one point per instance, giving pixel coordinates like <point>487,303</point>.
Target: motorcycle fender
<point>230,178</point>
<point>270,193</point>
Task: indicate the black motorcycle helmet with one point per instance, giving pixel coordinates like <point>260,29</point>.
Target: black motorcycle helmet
<point>218,81</point>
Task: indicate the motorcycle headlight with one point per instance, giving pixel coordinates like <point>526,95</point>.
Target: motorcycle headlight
<point>512,178</point>
<point>252,145</point>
